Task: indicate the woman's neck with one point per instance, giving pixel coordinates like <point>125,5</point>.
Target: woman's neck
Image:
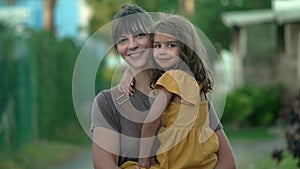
<point>143,80</point>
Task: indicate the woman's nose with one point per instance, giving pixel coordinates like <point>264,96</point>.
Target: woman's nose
<point>132,44</point>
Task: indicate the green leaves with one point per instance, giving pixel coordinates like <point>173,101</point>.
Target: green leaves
<point>253,105</point>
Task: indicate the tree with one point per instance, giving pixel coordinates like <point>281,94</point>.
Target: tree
<point>53,61</point>
<point>206,15</point>
<point>49,15</point>
<point>15,113</point>
<point>7,87</point>
<point>105,9</point>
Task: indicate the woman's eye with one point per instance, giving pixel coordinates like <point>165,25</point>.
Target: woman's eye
<point>140,35</point>
<point>122,41</point>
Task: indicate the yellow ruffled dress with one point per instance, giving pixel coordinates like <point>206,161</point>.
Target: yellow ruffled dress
<point>187,141</point>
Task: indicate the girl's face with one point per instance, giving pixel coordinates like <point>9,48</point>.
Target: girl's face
<point>134,49</point>
<point>165,50</point>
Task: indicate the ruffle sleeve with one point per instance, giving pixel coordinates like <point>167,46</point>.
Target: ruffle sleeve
<point>181,84</point>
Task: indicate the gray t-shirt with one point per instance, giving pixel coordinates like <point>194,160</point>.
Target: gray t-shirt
<point>107,114</point>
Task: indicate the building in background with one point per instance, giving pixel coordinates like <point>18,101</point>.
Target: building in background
<point>266,45</point>
<point>70,18</point>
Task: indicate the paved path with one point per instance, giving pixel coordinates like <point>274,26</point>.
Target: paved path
<point>83,160</point>
<point>246,153</point>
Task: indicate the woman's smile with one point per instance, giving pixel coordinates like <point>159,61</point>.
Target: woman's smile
<point>135,55</point>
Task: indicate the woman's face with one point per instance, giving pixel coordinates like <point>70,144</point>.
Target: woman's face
<point>165,50</point>
<point>134,49</point>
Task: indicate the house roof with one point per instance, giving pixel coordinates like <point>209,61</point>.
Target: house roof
<point>251,17</point>
<point>288,16</point>
<point>241,18</point>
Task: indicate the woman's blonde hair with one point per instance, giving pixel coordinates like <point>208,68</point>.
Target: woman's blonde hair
<point>131,19</point>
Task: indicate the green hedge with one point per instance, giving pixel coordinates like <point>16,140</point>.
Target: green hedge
<point>36,70</point>
<point>253,105</point>
<point>52,62</point>
<point>14,112</point>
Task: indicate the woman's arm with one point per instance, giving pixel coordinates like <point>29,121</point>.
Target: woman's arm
<point>105,146</point>
<point>225,153</point>
<point>151,125</point>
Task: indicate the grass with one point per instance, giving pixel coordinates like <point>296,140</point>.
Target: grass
<point>39,155</point>
<point>250,133</point>
<point>288,162</point>
<point>253,137</point>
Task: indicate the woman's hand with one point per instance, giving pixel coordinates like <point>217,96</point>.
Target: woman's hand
<point>127,82</point>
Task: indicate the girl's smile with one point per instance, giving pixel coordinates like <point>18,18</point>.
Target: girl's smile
<point>166,50</point>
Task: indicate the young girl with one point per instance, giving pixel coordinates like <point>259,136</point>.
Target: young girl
<point>180,107</point>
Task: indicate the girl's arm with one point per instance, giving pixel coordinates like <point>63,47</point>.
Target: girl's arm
<point>151,125</point>
<point>127,82</point>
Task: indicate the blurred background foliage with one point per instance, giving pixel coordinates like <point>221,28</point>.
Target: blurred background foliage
<point>36,110</point>
<point>206,15</point>
<point>36,71</point>
<point>251,106</point>
<point>36,93</point>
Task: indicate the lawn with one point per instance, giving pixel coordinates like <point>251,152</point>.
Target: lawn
<point>39,155</point>
<point>253,148</point>
<point>288,162</point>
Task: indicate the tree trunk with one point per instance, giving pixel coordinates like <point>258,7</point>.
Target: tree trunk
<point>48,15</point>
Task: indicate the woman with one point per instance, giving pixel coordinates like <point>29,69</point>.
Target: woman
<point>115,137</point>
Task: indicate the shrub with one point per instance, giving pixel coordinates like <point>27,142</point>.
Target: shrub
<point>52,62</point>
<point>292,117</point>
<point>293,132</point>
<point>253,105</point>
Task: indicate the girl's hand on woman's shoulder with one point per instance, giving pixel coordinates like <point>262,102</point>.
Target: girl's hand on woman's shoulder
<point>127,82</point>
<point>144,163</point>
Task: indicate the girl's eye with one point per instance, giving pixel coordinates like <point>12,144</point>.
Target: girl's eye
<point>156,46</point>
<point>172,45</point>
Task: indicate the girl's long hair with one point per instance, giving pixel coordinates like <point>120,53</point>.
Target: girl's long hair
<point>191,49</point>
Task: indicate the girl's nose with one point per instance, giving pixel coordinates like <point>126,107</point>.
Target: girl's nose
<point>162,51</point>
